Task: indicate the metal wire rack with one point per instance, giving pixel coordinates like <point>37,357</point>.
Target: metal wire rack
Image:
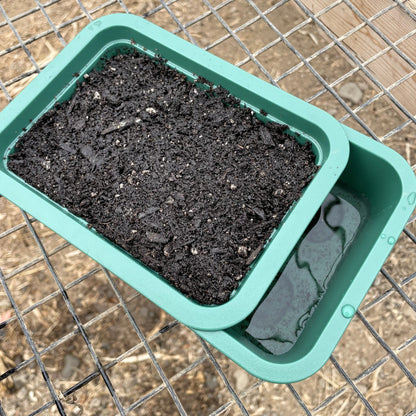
<point>129,357</point>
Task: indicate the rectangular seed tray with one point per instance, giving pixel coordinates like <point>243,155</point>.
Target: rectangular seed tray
<point>117,33</point>
<point>385,183</point>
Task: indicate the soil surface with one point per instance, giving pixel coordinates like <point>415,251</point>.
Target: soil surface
<point>183,179</point>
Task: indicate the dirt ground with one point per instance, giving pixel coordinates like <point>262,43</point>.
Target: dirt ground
<point>132,374</point>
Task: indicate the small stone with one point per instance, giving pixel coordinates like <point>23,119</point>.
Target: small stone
<point>242,251</point>
<point>351,91</point>
<point>46,164</point>
<point>241,379</point>
<point>22,394</point>
<point>169,200</point>
<point>167,250</point>
<point>156,237</point>
<point>71,363</point>
<point>76,411</point>
<point>151,110</point>
<point>95,403</point>
<point>19,380</point>
<point>194,251</point>
<point>211,381</point>
<point>233,187</point>
<point>97,95</point>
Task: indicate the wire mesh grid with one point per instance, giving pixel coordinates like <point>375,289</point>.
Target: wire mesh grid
<point>76,340</point>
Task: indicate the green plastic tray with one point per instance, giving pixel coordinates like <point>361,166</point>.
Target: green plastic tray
<point>382,180</point>
<point>117,33</point>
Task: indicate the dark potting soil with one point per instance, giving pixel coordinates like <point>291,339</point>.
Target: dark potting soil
<point>183,179</point>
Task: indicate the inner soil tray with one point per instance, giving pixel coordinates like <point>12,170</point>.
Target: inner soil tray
<point>290,345</point>
<point>112,35</point>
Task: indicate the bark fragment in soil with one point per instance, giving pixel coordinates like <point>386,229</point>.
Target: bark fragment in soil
<point>181,178</point>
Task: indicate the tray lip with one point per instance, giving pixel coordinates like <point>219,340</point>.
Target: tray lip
<point>74,230</point>
<point>318,355</point>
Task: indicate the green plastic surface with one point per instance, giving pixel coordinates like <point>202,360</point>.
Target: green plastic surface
<point>386,184</point>
<point>105,37</point>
